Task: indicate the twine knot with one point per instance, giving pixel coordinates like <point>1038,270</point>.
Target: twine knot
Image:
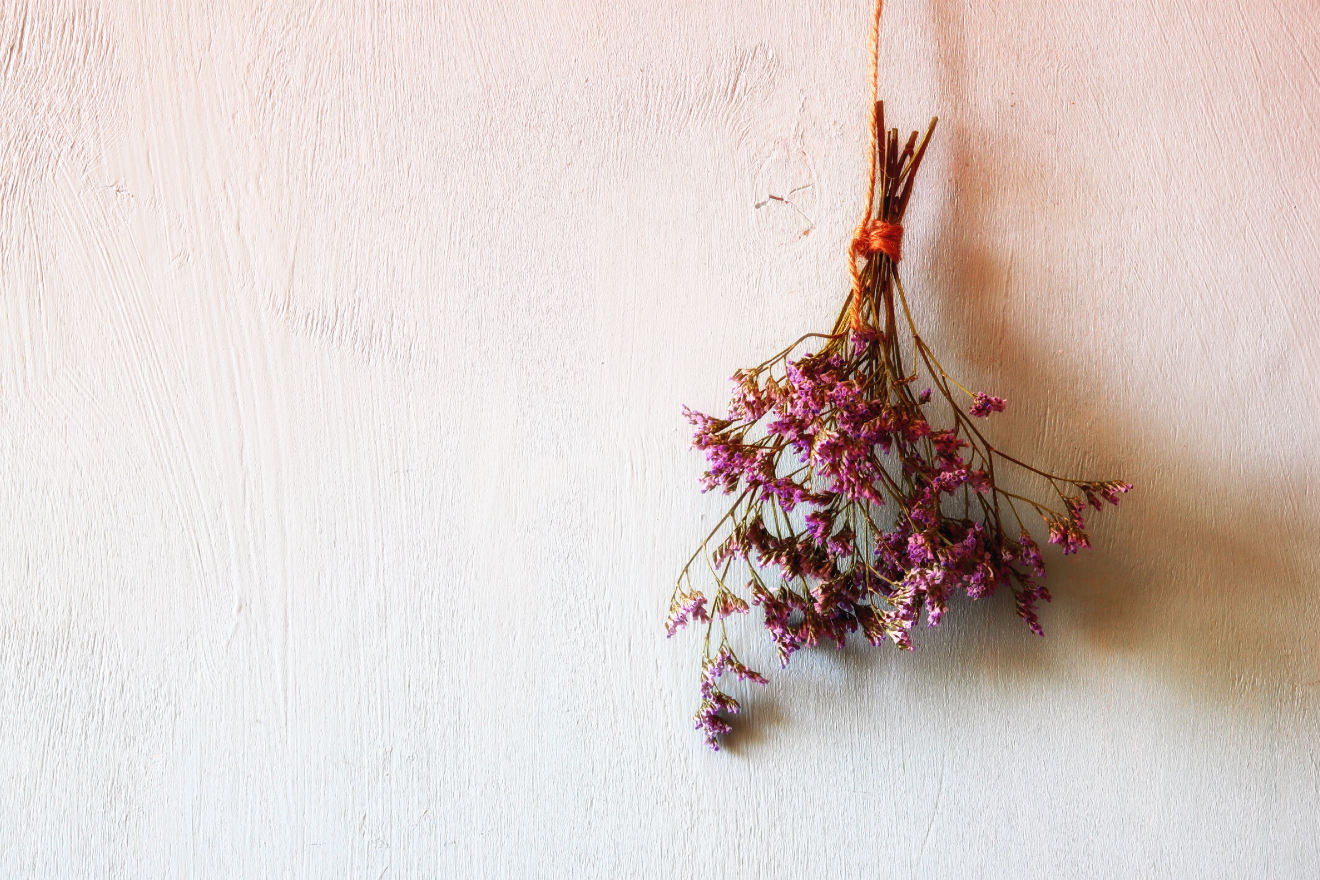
<point>878,237</point>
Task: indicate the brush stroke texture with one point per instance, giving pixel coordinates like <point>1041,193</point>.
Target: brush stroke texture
<point>343,346</point>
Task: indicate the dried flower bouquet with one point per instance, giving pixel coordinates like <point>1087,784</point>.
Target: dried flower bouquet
<point>852,511</point>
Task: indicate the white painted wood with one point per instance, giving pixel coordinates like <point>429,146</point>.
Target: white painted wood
<point>344,481</point>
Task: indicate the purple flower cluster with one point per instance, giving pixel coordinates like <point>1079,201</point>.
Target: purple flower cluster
<point>684,607</point>
<point>983,404</point>
<point>818,452</point>
<point>714,701</point>
<point>1068,530</point>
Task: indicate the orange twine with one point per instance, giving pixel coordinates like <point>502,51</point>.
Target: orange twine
<point>878,237</point>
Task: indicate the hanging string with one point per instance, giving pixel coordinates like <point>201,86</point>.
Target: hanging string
<point>878,236</point>
<point>875,109</point>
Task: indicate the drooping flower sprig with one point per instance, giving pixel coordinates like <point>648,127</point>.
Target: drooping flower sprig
<point>853,511</point>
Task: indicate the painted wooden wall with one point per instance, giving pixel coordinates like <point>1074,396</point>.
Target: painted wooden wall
<point>344,482</point>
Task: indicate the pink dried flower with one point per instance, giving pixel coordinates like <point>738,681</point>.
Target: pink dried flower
<point>727,603</point>
<point>683,607</point>
<point>984,404</point>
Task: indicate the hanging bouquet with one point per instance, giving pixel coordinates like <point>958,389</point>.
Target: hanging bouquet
<point>852,511</point>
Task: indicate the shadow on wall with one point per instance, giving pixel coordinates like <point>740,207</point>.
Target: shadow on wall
<point>1207,570</point>
<point>1204,578</point>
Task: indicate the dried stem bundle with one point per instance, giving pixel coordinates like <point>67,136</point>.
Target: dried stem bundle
<point>852,513</point>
